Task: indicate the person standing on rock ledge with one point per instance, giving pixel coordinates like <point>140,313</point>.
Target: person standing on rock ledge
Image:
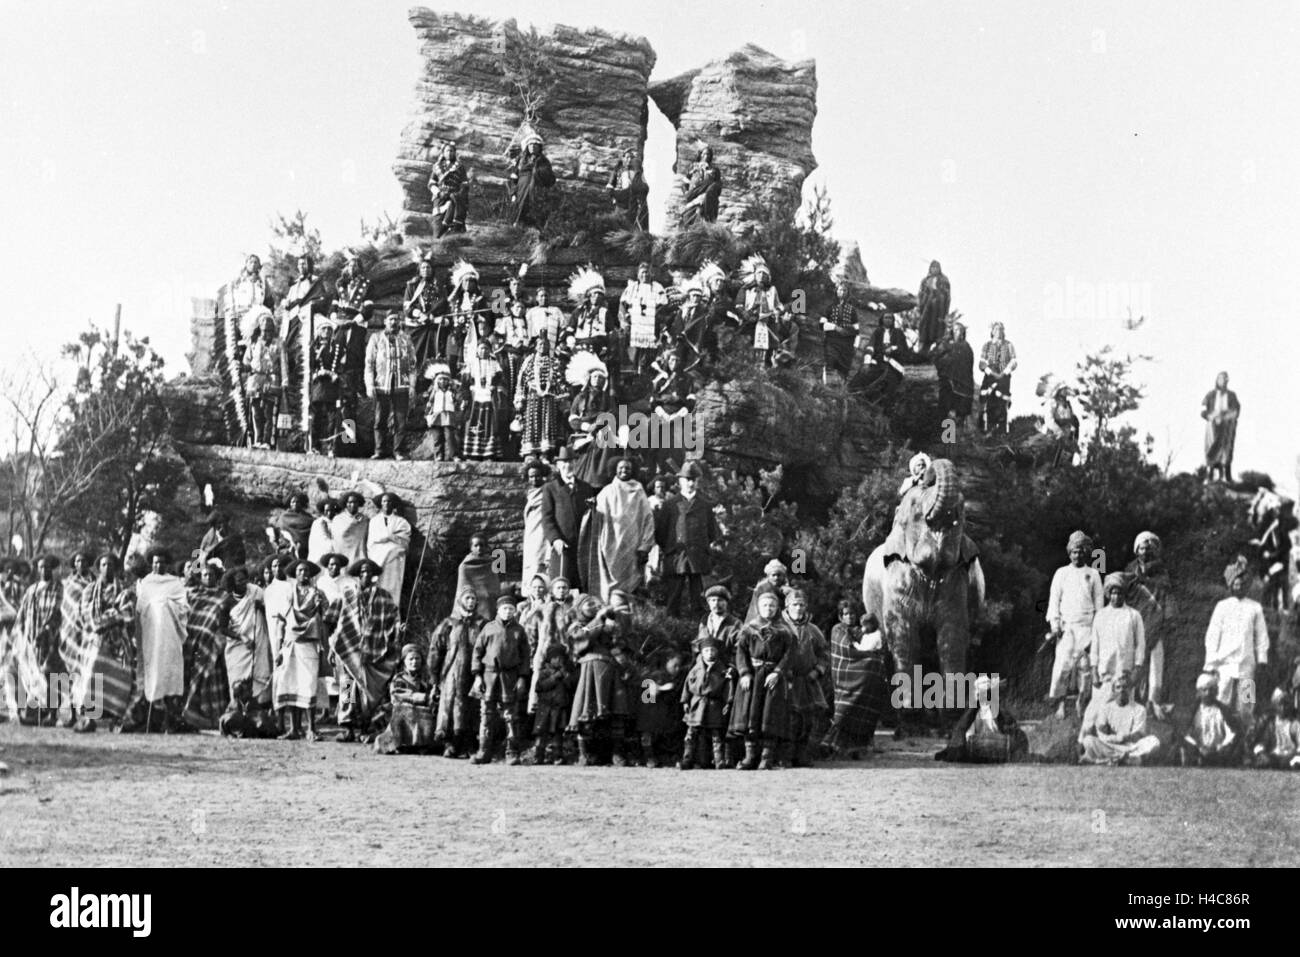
<point>531,177</point>
<point>702,190</point>
<point>390,381</point>
<point>628,190</point>
<point>933,300</point>
<point>449,188</point>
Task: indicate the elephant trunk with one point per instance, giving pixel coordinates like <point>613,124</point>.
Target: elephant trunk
<point>945,492</point>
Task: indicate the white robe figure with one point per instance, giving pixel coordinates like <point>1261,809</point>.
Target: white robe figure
<point>1073,602</point>
<point>623,525</point>
<point>350,532</point>
<point>536,553</point>
<point>249,657</point>
<point>387,543</point>
<point>1118,642</point>
<point>320,540</point>
<point>1117,733</point>
<point>162,610</point>
<point>642,300</point>
<point>275,600</point>
<point>1235,642</point>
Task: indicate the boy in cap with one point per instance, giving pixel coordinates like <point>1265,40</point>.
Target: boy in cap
<point>707,701</point>
<point>1074,600</point>
<point>501,673</point>
<point>719,623</point>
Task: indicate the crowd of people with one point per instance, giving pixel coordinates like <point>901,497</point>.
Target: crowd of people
<point>565,663</point>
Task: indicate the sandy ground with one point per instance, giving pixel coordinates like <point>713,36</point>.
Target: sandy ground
<point>110,800</point>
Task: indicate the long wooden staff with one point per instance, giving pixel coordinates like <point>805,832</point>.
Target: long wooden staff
<point>419,568</point>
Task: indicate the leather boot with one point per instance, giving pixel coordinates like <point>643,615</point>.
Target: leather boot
<point>584,751</point>
<point>719,753</point>
<point>688,751</point>
<point>768,762</point>
<point>648,751</point>
<point>512,740</point>
<point>555,753</point>
<point>750,761</point>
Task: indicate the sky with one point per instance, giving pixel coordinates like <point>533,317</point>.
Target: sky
<point>1066,163</point>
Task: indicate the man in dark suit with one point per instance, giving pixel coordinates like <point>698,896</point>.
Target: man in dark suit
<point>350,335</point>
<point>686,533</point>
<point>565,502</point>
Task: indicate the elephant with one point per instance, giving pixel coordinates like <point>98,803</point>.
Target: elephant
<point>926,576</point>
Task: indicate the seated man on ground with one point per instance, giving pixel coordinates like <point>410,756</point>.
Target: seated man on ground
<point>411,725</point>
<point>1213,739</point>
<point>1116,732</point>
<point>985,733</point>
<point>1275,741</point>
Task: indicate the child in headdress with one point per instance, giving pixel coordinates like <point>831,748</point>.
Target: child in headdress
<point>706,701</point>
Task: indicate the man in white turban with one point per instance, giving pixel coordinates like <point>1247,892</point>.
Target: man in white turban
<point>1118,640</point>
<point>1236,641</point>
<point>1075,598</point>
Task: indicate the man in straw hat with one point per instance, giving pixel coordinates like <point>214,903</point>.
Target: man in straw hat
<point>1076,596</point>
<point>1236,642</point>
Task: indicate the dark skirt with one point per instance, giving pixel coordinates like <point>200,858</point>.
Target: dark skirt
<point>759,711</point>
<point>861,693</point>
<point>600,693</point>
<point>543,433</point>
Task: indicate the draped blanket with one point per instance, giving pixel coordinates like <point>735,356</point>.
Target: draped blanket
<point>36,639</point>
<point>478,574</point>
<point>623,525</point>
<point>206,690</point>
<point>387,545</point>
<point>367,642</point>
<point>248,646</point>
<point>861,683</point>
<point>161,607</point>
<point>102,659</point>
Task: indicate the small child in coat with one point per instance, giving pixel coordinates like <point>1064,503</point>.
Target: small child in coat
<point>659,706</point>
<point>501,675</point>
<point>552,714</point>
<point>411,727</point>
<point>708,688</point>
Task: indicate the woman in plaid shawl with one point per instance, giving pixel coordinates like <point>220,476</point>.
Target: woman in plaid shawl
<point>36,641</point>
<point>104,665</point>
<point>206,692</point>
<point>366,647</point>
<point>861,672</point>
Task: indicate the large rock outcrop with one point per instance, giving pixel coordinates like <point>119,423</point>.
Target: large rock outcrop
<point>756,111</point>
<point>594,109</point>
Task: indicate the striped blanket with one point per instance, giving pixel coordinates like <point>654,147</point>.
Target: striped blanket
<point>101,653</point>
<point>367,643</point>
<point>36,640</point>
<point>861,684</point>
<point>206,691</point>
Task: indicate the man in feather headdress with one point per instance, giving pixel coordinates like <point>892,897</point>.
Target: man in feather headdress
<point>424,304</point>
<point>449,191</point>
<point>530,177</point>
<point>763,314</point>
<point>594,442</point>
<point>591,315</point>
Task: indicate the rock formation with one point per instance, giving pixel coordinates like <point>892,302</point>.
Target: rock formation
<point>756,111</point>
<point>593,107</point>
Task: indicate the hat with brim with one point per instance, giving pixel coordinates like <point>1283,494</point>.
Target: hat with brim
<point>565,454</point>
<point>363,565</point>
<point>691,470</point>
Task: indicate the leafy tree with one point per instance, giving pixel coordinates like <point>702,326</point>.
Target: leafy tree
<point>526,62</point>
<point>110,443</point>
<point>1107,390</point>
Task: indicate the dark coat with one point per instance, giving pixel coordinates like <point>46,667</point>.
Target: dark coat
<point>705,698</point>
<point>685,530</point>
<point>563,509</point>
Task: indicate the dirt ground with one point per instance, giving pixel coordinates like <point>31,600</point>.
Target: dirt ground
<point>111,800</point>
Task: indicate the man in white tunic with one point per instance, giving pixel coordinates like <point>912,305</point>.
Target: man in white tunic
<point>320,539</point>
<point>350,528</point>
<point>1116,732</point>
<point>248,646</point>
<point>161,610</point>
<point>1118,640</point>
<point>537,553</point>
<point>637,311</point>
<point>1073,602</point>
<point>1235,642</point>
<point>387,544</point>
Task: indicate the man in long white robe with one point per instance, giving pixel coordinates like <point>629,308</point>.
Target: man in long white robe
<point>1118,641</point>
<point>320,540</point>
<point>350,528</point>
<point>1236,641</point>
<point>623,525</point>
<point>536,553</point>
<point>161,609</point>
<point>387,544</point>
<point>1075,597</point>
<point>248,647</point>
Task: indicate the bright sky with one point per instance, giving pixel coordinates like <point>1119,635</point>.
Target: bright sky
<point>1063,161</point>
